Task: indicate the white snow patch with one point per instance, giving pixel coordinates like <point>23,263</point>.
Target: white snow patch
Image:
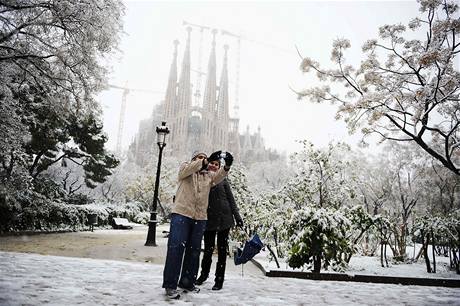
<point>31,279</point>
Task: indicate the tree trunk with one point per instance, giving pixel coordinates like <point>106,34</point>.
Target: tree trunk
<point>316,263</point>
<point>458,262</point>
<point>393,250</point>
<point>366,245</point>
<point>381,254</point>
<point>456,259</point>
<point>274,255</point>
<point>418,254</point>
<point>425,252</point>
<point>433,251</point>
<point>385,252</point>
<point>277,247</point>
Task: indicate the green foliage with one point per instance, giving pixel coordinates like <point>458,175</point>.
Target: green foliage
<point>320,188</point>
<point>320,177</point>
<point>32,211</point>
<point>319,233</point>
<point>244,199</point>
<point>446,229</point>
<point>49,78</point>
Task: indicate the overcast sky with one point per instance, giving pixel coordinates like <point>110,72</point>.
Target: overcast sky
<point>269,63</point>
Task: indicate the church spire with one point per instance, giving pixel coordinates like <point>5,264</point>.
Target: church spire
<point>170,98</point>
<point>222,100</point>
<point>222,123</point>
<point>184,91</point>
<point>209,100</point>
<point>247,142</point>
<point>184,100</point>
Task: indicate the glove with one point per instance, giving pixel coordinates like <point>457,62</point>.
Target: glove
<point>239,222</point>
<point>214,156</point>
<point>228,160</point>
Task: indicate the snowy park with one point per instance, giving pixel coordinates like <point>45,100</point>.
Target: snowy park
<point>309,149</point>
<point>31,279</point>
<point>133,276</point>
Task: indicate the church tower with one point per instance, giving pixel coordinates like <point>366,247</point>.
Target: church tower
<point>207,127</point>
<point>221,130</point>
<point>170,102</point>
<point>209,101</point>
<point>183,102</point>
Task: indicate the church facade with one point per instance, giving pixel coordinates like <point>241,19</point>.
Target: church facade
<point>203,123</point>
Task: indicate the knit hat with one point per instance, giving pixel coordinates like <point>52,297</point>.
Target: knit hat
<point>196,153</point>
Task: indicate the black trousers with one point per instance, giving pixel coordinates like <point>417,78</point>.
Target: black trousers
<point>222,246</point>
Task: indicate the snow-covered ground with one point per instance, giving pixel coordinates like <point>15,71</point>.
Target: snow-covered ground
<point>32,279</point>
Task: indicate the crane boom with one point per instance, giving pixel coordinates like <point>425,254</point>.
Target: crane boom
<point>121,119</point>
<point>137,89</point>
<point>195,25</point>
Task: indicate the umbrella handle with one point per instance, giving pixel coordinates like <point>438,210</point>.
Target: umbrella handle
<point>245,232</point>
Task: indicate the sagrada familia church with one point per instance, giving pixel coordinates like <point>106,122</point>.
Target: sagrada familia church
<point>203,123</point>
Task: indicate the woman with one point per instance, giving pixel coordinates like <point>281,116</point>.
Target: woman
<point>188,221</point>
<point>222,209</point>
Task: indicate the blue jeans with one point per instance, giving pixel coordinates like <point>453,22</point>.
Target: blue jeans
<point>185,234</point>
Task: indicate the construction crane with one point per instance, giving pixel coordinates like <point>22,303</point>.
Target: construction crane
<point>238,58</point>
<point>238,38</point>
<point>121,120</point>
<point>236,106</point>
<point>202,28</point>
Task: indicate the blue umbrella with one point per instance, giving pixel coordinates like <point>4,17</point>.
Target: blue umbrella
<point>251,249</point>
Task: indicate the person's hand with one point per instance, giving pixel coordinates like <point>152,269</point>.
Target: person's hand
<point>214,156</point>
<point>239,222</point>
<point>228,160</point>
<point>204,164</point>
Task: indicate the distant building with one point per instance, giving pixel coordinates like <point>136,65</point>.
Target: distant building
<point>205,126</point>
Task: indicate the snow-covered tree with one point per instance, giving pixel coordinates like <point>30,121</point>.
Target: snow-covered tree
<point>318,237</point>
<point>440,232</point>
<point>442,189</point>
<point>321,177</point>
<point>141,188</point>
<point>50,64</point>
<point>405,89</point>
<point>313,219</point>
<point>267,176</point>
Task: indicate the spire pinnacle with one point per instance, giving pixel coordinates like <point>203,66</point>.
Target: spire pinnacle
<point>176,43</point>
<point>214,33</point>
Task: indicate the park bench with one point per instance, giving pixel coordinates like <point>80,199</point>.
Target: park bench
<point>92,221</point>
<point>121,223</point>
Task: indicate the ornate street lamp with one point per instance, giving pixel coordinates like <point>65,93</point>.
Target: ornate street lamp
<point>162,131</point>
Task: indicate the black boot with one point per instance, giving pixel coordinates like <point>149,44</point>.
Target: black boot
<point>218,283</point>
<point>200,280</point>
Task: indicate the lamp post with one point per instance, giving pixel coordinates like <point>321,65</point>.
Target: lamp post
<point>162,131</point>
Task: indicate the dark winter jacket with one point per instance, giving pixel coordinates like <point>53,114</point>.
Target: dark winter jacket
<point>222,208</point>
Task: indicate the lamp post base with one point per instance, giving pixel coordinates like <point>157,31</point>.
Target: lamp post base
<point>151,239</point>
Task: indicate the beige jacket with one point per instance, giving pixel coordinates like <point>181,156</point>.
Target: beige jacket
<point>193,191</point>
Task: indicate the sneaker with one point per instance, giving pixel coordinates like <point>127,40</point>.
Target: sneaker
<point>172,294</point>
<point>200,280</point>
<point>193,289</point>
